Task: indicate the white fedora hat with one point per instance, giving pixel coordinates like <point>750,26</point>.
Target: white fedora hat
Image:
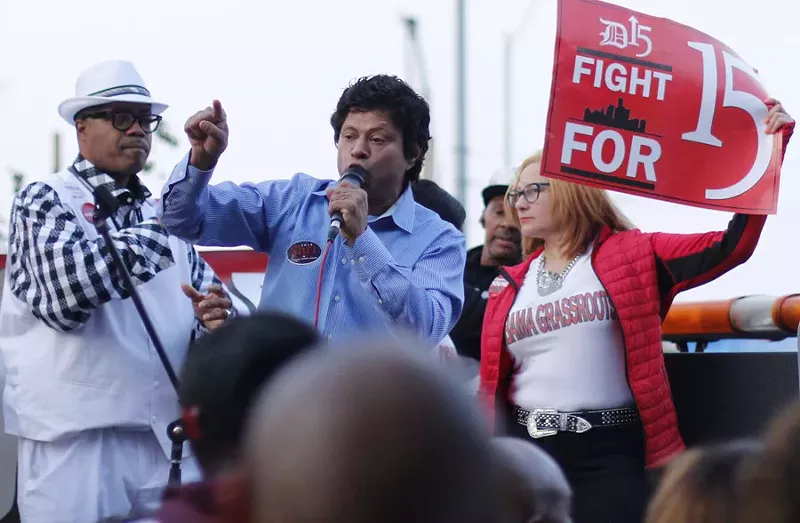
<point>108,82</point>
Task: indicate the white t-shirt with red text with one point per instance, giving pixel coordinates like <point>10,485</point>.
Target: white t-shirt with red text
<point>567,346</point>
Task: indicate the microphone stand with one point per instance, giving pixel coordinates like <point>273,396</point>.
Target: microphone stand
<point>105,207</point>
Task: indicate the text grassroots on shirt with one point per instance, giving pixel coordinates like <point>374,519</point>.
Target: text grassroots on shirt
<point>646,106</point>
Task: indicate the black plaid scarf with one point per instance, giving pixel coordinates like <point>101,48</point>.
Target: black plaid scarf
<point>130,198</point>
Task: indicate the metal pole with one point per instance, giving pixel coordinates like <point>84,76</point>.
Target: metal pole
<point>507,116</point>
<point>430,162</point>
<point>508,102</point>
<point>417,57</point>
<point>56,152</point>
<point>461,105</point>
<point>410,25</point>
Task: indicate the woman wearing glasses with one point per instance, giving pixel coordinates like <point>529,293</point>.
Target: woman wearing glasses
<point>571,345</point>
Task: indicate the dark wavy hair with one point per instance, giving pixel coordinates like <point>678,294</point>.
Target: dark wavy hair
<point>428,194</point>
<point>407,110</point>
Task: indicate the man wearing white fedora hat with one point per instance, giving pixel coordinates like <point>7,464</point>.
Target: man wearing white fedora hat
<point>85,391</point>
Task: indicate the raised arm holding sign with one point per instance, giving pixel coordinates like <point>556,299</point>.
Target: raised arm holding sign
<point>571,338</point>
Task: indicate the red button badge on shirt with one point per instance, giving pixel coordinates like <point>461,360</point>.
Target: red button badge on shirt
<point>88,212</point>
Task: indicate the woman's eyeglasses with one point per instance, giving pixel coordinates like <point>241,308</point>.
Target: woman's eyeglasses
<point>530,192</point>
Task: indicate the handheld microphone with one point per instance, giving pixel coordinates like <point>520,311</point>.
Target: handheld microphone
<point>356,175</point>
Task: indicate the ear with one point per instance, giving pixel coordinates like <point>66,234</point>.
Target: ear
<point>411,161</point>
<point>80,127</point>
<point>414,158</point>
<point>482,219</point>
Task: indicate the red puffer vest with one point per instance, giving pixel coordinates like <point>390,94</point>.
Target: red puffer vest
<point>641,274</point>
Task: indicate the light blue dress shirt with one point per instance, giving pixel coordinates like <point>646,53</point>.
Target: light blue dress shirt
<point>405,270</point>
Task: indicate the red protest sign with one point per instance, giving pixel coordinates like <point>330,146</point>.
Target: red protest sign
<point>646,106</point>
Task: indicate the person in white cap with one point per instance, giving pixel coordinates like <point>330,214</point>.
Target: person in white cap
<point>501,246</point>
<point>85,390</point>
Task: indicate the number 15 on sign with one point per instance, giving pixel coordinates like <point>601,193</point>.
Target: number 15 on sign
<point>732,98</point>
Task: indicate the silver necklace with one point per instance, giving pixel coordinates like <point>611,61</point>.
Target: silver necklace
<point>548,282</point>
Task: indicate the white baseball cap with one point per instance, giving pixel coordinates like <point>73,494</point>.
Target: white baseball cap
<point>498,183</point>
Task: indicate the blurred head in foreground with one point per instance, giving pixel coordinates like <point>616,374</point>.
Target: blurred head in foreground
<point>701,484</point>
<point>367,435</point>
<point>770,489</point>
<point>224,371</point>
<point>532,487</point>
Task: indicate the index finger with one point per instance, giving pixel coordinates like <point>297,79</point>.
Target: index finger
<point>196,118</point>
<point>191,293</point>
<point>216,288</point>
<point>217,112</point>
<point>346,186</point>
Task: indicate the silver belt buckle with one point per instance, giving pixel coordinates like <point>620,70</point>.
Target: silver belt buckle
<point>534,431</point>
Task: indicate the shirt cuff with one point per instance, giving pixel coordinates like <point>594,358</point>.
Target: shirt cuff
<point>369,255</point>
<point>187,179</point>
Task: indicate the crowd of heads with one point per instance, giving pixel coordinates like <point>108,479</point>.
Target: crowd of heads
<point>740,481</point>
<point>376,431</point>
<point>380,432</point>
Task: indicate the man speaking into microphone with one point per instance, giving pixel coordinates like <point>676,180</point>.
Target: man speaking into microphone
<point>392,263</point>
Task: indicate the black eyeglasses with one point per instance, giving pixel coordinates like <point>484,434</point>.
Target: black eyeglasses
<point>530,192</point>
<point>124,120</point>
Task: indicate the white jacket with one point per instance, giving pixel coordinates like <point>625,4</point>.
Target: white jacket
<point>106,373</point>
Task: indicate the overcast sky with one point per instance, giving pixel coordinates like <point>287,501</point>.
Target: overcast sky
<point>279,67</point>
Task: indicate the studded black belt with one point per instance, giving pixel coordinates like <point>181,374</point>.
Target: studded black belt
<point>549,422</point>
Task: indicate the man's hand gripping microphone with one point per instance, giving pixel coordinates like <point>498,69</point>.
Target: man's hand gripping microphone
<point>356,175</point>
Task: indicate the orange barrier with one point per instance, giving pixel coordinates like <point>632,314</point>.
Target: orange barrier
<point>786,312</point>
<point>766,316</point>
<point>698,317</point>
